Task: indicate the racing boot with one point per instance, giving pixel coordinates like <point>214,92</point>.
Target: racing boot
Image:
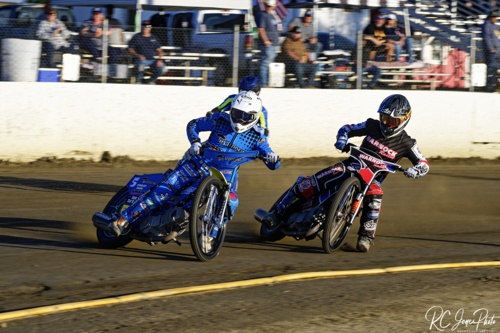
<point>364,243</point>
<point>274,218</point>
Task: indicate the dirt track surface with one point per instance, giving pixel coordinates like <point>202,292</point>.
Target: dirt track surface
<point>48,256</point>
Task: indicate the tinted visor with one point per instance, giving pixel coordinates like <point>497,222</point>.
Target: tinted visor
<point>392,122</point>
<point>242,117</point>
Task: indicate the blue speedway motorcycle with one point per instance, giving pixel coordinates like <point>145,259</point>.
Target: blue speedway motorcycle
<point>330,214</point>
<point>202,207</point>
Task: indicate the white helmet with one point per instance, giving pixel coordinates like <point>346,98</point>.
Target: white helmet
<point>245,111</point>
<point>270,3</point>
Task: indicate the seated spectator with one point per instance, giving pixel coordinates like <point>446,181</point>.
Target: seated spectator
<point>143,47</point>
<point>54,36</point>
<point>375,40</point>
<point>308,35</point>
<point>92,37</point>
<point>298,58</point>
<point>398,37</point>
<point>374,71</point>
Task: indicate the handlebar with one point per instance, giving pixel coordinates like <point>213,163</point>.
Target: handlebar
<point>391,166</point>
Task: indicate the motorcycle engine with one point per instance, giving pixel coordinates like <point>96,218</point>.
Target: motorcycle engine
<point>163,222</point>
<point>306,223</point>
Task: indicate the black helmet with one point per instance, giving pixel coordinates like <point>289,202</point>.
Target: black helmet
<point>395,113</point>
<point>250,83</point>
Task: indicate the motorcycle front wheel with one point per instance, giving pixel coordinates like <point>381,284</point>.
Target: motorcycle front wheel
<point>114,207</point>
<point>205,207</point>
<point>339,219</point>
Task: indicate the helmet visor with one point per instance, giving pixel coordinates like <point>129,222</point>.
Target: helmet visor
<point>393,122</point>
<point>242,117</point>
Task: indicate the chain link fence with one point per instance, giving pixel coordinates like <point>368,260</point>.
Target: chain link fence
<point>199,57</point>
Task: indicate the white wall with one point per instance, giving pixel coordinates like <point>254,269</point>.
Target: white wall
<point>83,120</point>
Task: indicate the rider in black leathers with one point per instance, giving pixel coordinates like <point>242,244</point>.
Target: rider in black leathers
<point>387,138</point>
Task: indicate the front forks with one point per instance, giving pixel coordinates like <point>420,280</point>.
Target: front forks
<point>219,214</point>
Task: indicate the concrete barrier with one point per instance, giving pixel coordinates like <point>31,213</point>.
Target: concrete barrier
<point>83,120</point>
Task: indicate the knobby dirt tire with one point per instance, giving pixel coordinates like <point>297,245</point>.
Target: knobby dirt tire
<point>206,203</point>
<point>337,224</point>
<point>114,208</point>
<point>271,235</point>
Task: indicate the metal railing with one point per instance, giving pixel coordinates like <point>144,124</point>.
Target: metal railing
<point>223,59</point>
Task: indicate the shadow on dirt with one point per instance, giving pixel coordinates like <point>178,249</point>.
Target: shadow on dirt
<point>57,185</point>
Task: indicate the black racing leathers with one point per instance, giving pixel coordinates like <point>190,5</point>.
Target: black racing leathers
<point>391,149</point>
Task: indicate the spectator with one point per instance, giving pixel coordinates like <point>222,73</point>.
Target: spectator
<point>92,33</point>
<point>54,36</point>
<point>491,46</point>
<point>397,36</point>
<point>375,40</point>
<point>309,36</point>
<point>143,47</point>
<point>298,58</point>
<point>374,71</point>
<point>269,29</point>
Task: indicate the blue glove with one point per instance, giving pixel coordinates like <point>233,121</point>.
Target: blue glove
<point>195,148</point>
<point>341,142</point>
<point>272,157</point>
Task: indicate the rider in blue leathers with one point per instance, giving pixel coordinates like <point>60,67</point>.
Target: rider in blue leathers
<point>248,83</point>
<point>236,131</point>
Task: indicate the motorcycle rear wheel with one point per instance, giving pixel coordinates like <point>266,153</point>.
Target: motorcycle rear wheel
<point>271,234</point>
<point>339,220</point>
<point>114,208</point>
<point>204,208</point>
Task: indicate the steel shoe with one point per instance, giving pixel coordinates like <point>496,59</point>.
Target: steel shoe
<point>364,243</point>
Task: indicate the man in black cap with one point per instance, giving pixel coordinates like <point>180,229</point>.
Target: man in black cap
<point>309,36</point>
<point>298,58</point>
<point>143,47</point>
<point>491,46</point>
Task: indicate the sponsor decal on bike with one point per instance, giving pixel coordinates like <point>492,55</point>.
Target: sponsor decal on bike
<point>333,170</point>
<point>231,159</point>
<point>354,166</point>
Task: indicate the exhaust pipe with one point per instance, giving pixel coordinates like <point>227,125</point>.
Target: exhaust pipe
<point>260,214</point>
<point>102,221</point>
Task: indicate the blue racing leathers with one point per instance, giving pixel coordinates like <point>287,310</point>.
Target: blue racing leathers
<point>191,168</point>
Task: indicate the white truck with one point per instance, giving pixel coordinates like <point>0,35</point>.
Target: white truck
<point>213,31</point>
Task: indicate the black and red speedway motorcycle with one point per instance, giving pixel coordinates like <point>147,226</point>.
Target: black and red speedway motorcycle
<point>331,213</point>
